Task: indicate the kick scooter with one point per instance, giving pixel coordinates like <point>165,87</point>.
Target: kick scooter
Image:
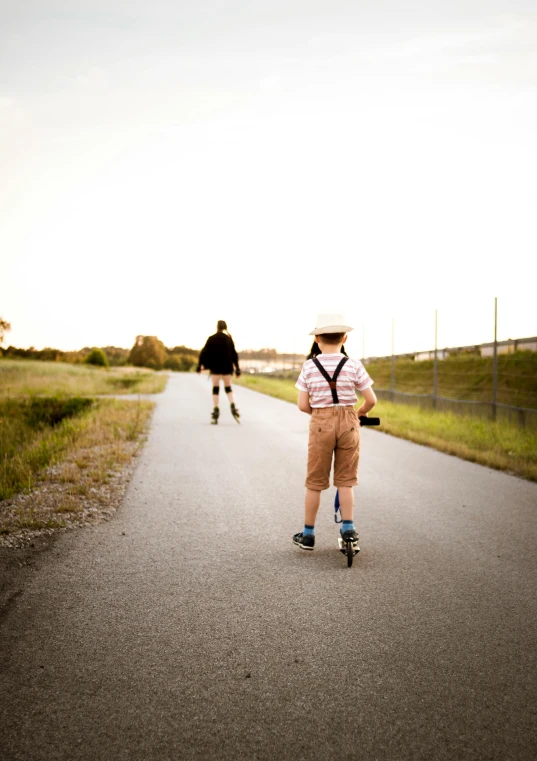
<point>346,546</point>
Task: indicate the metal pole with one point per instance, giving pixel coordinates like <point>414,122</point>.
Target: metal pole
<point>435,366</point>
<point>495,362</point>
<point>393,360</point>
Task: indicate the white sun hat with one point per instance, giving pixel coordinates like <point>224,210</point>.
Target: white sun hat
<point>330,323</point>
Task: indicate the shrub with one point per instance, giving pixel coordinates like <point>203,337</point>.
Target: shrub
<point>181,363</point>
<point>97,357</point>
<point>127,382</point>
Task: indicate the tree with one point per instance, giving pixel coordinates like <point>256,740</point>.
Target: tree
<point>97,357</point>
<point>148,351</point>
<point>5,327</point>
<point>186,351</point>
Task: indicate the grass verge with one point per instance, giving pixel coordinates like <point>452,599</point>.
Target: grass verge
<point>33,433</point>
<point>22,378</point>
<point>497,445</point>
<point>70,473</point>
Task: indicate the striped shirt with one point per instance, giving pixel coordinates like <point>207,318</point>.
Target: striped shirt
<point>352,377</point>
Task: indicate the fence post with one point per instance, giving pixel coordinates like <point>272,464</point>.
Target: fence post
<point>495,362</point>
<point>392,384</point>
<point>435,365</point>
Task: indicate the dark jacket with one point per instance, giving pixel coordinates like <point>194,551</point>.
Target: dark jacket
<point>219,354</point>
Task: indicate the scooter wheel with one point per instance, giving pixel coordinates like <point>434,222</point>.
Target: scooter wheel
<point>350,554</point>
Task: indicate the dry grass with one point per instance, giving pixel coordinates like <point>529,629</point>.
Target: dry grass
<point>24,378</point>
<point>88,475</point>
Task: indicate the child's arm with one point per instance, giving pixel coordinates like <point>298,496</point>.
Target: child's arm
<point>369,401</point>
<point>304,402</point>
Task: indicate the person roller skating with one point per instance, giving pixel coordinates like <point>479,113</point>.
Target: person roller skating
<point>220,357</point>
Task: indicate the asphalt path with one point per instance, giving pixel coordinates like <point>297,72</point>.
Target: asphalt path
<point>190,627</point>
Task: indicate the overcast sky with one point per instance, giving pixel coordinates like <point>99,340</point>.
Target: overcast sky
<point>167,164</point>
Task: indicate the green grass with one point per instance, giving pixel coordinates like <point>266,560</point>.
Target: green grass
<point>281,388</point>
<point>29,442</point>
<point>86,450</point>
<point>465,377</point>
<point>45,407</point>
<point>54,414</point>
<point>499,445</point>
<point>33,433</point>
<point>22,378</point>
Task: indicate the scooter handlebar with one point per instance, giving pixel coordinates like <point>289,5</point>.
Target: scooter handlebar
<point>364,420</point>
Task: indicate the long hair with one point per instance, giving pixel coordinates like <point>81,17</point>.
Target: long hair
<point>221,327</point>
<point>315,350</point>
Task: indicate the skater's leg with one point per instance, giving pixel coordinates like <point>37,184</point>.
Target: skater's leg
<point>229,392</point>
<point>215,380</point>
<point>227,385</point>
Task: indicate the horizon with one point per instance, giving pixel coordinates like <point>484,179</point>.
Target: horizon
<point>248,349</point>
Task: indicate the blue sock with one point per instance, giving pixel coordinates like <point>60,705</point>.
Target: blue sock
<point>308,531</point>
<point>347,526</point>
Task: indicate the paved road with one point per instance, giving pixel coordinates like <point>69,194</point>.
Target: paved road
<point>189,627</point>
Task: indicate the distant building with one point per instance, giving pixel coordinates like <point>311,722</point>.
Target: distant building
<point>480,350</point>
<point>510,346</point>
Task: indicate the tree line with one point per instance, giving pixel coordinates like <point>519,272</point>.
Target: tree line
<point>148,351</point>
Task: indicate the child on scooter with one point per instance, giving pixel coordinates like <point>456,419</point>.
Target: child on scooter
<point>327,388</point>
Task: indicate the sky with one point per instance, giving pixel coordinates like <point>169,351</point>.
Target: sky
<point>167,164</point>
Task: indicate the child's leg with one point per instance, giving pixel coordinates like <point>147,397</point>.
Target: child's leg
<point>311,506</point>
<point>215,380</point>
<point>306,538</point>
<point>320,448</point>
<point>346,502</point>
<point>346,458</point>
<point>227,385</point>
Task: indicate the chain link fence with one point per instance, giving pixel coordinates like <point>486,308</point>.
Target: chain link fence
<point>522,416</point>
<point>495,380</point>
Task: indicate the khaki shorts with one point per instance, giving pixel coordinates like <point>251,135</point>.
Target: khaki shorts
<point>334,431</point>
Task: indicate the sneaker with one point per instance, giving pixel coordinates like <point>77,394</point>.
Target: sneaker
<point>345,536</point>
<point>305,542</point>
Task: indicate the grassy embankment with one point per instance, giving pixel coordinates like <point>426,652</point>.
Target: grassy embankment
<point>466,377</point>
<point>498,445</point>
<point>50,416</point>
